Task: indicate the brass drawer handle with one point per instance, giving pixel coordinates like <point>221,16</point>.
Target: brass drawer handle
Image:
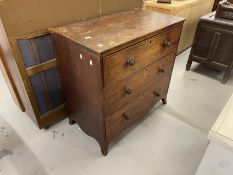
<point>131,62</point>
<point>125,116</point>
<point>128,91</point>
<point>167,43</point>
<point>161,70</point>
<point>156,94</point>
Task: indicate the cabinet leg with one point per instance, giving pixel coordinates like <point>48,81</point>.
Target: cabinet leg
<point>164,100</point>
<point>71,122</point>
<point>104,149</point>
<point>226,76</point>
<point>188,65</point>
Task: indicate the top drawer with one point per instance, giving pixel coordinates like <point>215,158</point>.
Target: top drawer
<point>125,62</point>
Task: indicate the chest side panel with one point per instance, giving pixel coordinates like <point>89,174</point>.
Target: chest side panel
<point>81,80</point>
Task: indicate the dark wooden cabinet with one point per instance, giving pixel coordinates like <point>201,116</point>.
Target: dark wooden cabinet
<point>216,4</point>
<point>115,68</point>
<point>213,44</point>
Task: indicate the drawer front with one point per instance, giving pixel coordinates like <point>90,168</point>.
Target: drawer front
<point>121,64</point>
<point>135,110</point>
<point>119,94</point>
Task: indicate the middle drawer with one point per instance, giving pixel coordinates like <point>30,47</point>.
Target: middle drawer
<point>120,93</point>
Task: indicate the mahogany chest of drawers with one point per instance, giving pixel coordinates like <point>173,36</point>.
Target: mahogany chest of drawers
<point>115,68</point>
<point>213,44</point>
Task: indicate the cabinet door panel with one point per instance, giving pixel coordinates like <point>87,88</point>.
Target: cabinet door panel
<point>202,44</point>
<point>224,50</point>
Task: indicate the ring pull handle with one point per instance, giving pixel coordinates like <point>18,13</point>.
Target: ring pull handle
<point>167,43</point>
<point>161,70</point>
<point>131,62</point>
<point>126,116</point>
<point>157,94</point>
<point>128,91</point>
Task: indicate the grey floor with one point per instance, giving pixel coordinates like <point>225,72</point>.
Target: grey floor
<point>171,140</point>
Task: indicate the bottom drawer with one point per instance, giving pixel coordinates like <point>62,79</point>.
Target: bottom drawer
<point>136,109</point>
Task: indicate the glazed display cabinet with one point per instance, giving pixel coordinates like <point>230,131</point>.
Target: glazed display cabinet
<point>31,72</point>
<point>28,60</point>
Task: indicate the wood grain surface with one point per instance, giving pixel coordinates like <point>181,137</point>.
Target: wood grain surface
<point>109,33</point>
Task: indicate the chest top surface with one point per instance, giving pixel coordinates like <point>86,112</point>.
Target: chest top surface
<point>104,33</point>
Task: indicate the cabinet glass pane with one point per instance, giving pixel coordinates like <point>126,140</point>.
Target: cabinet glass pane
<point>36,50</point>
<point>46,85</point>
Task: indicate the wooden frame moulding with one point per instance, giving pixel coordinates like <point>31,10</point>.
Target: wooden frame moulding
<point>55,114</point>
<point>41,67</point>
<point>23,73</point>
<point>11,84</point>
